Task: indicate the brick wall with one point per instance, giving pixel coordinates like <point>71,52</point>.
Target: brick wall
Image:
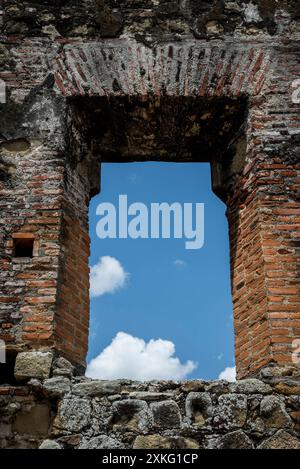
<point>30,205</point>
<point>48,166</point>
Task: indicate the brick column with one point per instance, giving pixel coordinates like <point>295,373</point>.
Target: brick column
<point>45,188</point>
<point>264,219</point>
<point>73,304</point>
<point>31,208</point>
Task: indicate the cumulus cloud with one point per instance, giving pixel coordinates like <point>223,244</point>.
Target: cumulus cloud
<point>107,276</point>
<point>133,358</point>
<point>229,374</point>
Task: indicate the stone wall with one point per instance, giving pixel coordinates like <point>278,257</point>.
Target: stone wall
<point>66,411</point>
<point>151,20</point>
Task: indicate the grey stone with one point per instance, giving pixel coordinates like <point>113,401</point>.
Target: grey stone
<point>73,414</point>
<point>233,440</point>
<point>35,384</point>
<point>33,365</point>
<point>273,412</point>
<point>250,386</point>
<point>193,386</point>
<point>281,440</point>
<point>270,372</point>
<point>217,387</point>
<point>56,387</point>
<point>150,396</point>
<point>101,442</point>
<point>166,414</point>
<point>70,440</point>
<point>62,367</point>
<point>96,388</point>
<point>231,412</point>
<point>50,444</point>
<point>130,414</point>
<point>198,407</point>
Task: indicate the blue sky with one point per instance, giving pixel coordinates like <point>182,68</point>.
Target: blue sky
<point>169,293</point>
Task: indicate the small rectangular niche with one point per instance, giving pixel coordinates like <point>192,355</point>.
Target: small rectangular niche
<point>7,367</point>
<point>23,244</point>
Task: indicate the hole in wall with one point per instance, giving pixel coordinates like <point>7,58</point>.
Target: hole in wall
<point>23,245</point>
<point>17,145</point>
<point>7,368</point>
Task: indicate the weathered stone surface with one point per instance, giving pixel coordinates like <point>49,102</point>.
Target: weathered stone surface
<point>110,21</point>
<point>151,442</point>
<point>273,411</point>
<point>101,442</point>
<point>32,420</point>
<point>50,444</point>
<point>96,388</point>
<point>198,407</point>
<point>56,387</point>
<point>166,414</point>
<point>70,441</point>
<point>233,440</point>
<point>33,365</point>
<point>35,385</point>
<point>189,443</point>
<point>193,386</point>
<point>250,386</point>
<point>130,414</point>
<point>208,419</point>
<point>231,411</point>
<point>150,396</point>
<point>281,440</point>
<point>62,367</point>
<point>284,379</point>
<point>288,388</point>
<point>73,414</point>
<point>268,373</point>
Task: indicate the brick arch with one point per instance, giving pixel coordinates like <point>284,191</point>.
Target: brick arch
<point>122,68</point>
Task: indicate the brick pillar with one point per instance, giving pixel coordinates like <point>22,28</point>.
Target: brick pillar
<point>31,191</point>
<point>72,313</point>
<point>264,220</point>
<point>44,189</point>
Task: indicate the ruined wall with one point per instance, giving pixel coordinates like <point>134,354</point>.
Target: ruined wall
<point>63,411</point>
<point>151,20</point>
<point>96,81</point>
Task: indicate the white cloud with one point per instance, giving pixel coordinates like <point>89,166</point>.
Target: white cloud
<point>179,262</point>
<point>132,358</point>
<point>229,374</point>
<point>107,276</point>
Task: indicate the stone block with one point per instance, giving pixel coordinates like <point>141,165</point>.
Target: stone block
<point>33,365</point>
<point>166,414</point>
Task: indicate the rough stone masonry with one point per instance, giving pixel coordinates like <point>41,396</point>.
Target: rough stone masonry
<point>186,80</point>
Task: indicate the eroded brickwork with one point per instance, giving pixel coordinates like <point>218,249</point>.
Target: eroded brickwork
<point>100,81</point>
